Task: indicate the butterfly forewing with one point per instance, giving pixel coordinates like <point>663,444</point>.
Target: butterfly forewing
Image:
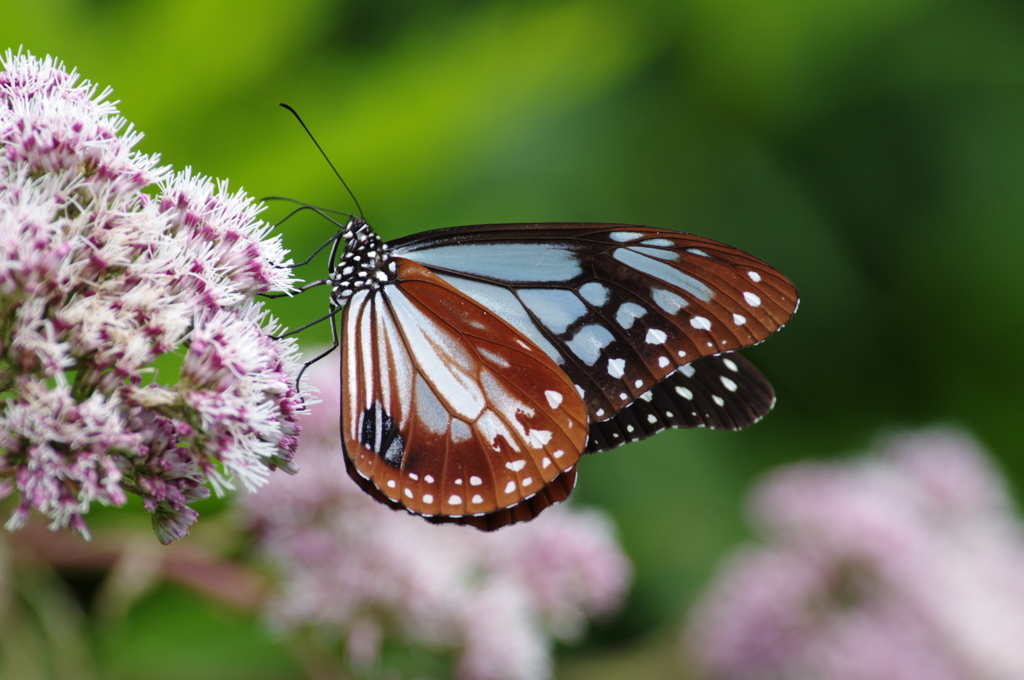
<point>617,307</point>
<point>448,411</point>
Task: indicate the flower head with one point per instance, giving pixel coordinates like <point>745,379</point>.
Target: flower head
<point>98,279</point>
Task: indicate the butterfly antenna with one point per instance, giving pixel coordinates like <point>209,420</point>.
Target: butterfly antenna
<point>320,149</point>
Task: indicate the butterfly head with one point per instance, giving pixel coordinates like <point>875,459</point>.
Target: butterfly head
<point>365,265</point>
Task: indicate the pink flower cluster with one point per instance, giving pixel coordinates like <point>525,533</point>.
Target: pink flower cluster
<point>98,280</point>
<point>908,565</point>
<point>367,573</point>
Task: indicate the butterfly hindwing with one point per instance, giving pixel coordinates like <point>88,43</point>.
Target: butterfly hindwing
<point>723,392</point>
<point>447,411</point>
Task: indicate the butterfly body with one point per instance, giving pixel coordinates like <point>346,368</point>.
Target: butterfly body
<point>479,363</point>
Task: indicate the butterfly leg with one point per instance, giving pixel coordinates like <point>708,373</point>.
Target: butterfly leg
<point>334,345</point>
<point>313,284</point>
<point>333,242</point>
<point>334,239</point>
<point>325,317</point>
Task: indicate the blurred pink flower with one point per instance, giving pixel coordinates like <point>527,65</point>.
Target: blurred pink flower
<point>907,565</point>
<point>98,279</point>
<point>366,572</point>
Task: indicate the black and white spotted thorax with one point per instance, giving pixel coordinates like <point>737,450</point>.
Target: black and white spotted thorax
<point>365,265</point>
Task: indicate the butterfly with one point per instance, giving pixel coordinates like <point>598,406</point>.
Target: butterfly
<point>480,363</point>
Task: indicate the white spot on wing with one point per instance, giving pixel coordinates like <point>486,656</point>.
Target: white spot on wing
<point>539,438</point>
<point>697,251</point>
<point>700,323</point>
<point>510,487</point>
<point>663,362</point>
<point>688,370</point>
<point>516,465</point>
<point>460,431</point>
<point>392,484</point>
<point>616,367</point>
<point>754,276</point>
<point>428,498</point>
<point>478,499</point>
<point>475,481</point>
<point>651,418</point>
<point>554,398</point>
<point>628,313</point>
<point>494,430</point>
<point>454,499</point>
<point>731,365</point>
<point>718,400</point>
<point>493,357</point>
<point>668,300</point>
<point>558,454</point>
<point>729,384</point>
<point>595,293</point>
<point>683,392</point>
<point>655,336</point>
<point>527,482</point>
<point>623,236</point>
<point>739,319</point>
<point>752,299</point>
<point>588,343</point>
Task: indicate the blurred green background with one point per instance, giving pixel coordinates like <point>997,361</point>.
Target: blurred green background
<point>872,150</point>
